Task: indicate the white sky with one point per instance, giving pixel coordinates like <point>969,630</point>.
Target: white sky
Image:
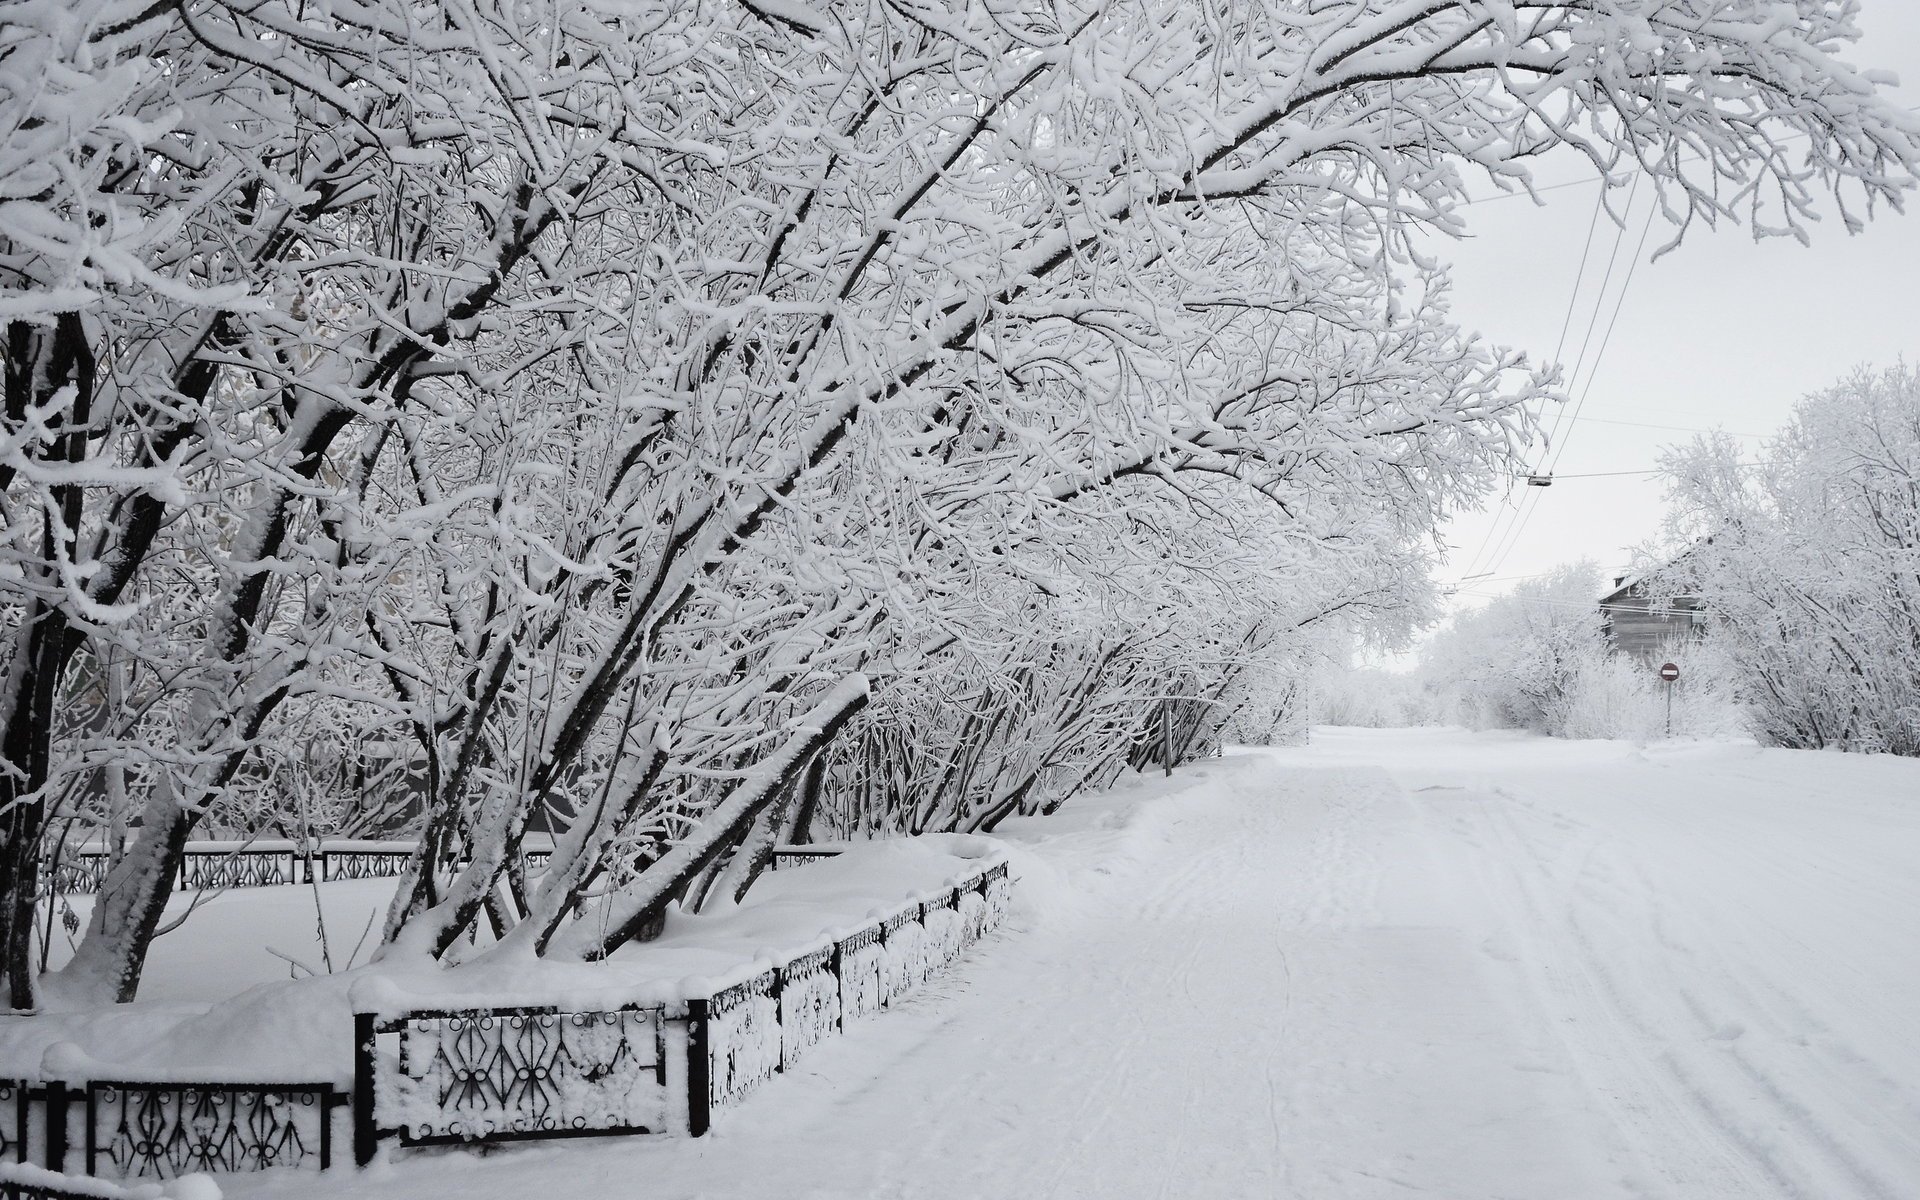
<point>1722,332</point>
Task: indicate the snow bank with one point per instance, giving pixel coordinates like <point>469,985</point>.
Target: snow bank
<point>34,1182</point>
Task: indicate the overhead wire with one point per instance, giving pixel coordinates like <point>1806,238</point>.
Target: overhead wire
<point>1516,518</point>
<point>1649,471</point>
<point>1674,428</point>
<point>1503,533</point>
<point>1558,448</point>
<point>1566,324</point>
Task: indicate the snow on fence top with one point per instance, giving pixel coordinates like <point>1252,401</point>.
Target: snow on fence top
<point>788,915</point>
<point>628,1045</point>
<point>300,1031</point>
<point>665,1061</point>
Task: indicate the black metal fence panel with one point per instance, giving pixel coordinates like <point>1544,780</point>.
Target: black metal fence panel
<point>862,974</point>
<point>165,1130</point>
<point>756,1028</point>
<point>470,1076</point>
<point>743,1038</point>
<point>809,995</point>
<point>239,869</point>
<point>362,864</point>
<point>209,866</point>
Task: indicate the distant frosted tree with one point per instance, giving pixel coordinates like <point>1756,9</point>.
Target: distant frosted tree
<point>1514,661</point>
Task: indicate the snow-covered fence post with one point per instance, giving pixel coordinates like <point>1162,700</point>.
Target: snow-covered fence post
<point>365,1136</point>
<point>835,960</point>
<point>56,1104</point>
<point>699,1067</point>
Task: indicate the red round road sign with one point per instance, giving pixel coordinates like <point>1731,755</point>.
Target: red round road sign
<point>1669,672</point>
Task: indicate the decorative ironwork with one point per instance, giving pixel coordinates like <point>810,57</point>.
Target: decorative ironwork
<point>533,1073</point>
<point>904,967</point>
<point>795,856</point>
<point>862,966</point>
<point>164,1130</point>
<point>467,1076</point>
<point>80,873</point>
<point>996,888</point>
<point>237,869</point>
<point>363,864</point>
<point>809,994</point>
<point>743,1038</point>
<point>975,918</point>
<point>943,933</point>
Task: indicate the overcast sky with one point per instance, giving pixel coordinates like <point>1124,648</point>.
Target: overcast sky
<point>1723,332</point>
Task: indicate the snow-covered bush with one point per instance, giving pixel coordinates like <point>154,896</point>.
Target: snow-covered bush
<point>1607,696</point>
<point>1514,660</point>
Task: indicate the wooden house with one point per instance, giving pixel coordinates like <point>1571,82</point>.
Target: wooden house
<point>1644,620</point>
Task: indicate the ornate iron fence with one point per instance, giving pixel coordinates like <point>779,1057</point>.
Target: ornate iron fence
<point>742,1036</point>
<point>240,869</point>
<point>425,1077</point>
<point>163,1130</point>
<point>206,866</point>
<point>800,856</point>
<point>441,1076</point>
<point>487,1074</point>
<point>362,863</point>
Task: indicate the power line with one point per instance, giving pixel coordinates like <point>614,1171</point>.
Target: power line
<point>1523,516</point>
<point>1566,323</point>
<point>1620,299</point>
<point>1675,428</point>
<point>1652,471</point>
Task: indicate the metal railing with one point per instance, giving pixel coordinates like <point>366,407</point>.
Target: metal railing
<point>210,866</point>
<point>435,1076</point>
<point>145,1129</point>
<point>432,1076</point>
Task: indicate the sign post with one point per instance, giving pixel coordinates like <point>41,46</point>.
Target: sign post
<point>1668,673</point>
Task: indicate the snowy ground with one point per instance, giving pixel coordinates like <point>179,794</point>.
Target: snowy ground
<point>1392,964</point>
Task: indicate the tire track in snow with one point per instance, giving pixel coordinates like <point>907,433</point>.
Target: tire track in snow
<point>1616,973</point>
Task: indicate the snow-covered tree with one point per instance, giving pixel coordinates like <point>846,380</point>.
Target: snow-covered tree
<point>1809,562</point>
<point>598,396</point>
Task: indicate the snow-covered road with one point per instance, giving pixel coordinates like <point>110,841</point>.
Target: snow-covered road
<point>1417,963</point>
